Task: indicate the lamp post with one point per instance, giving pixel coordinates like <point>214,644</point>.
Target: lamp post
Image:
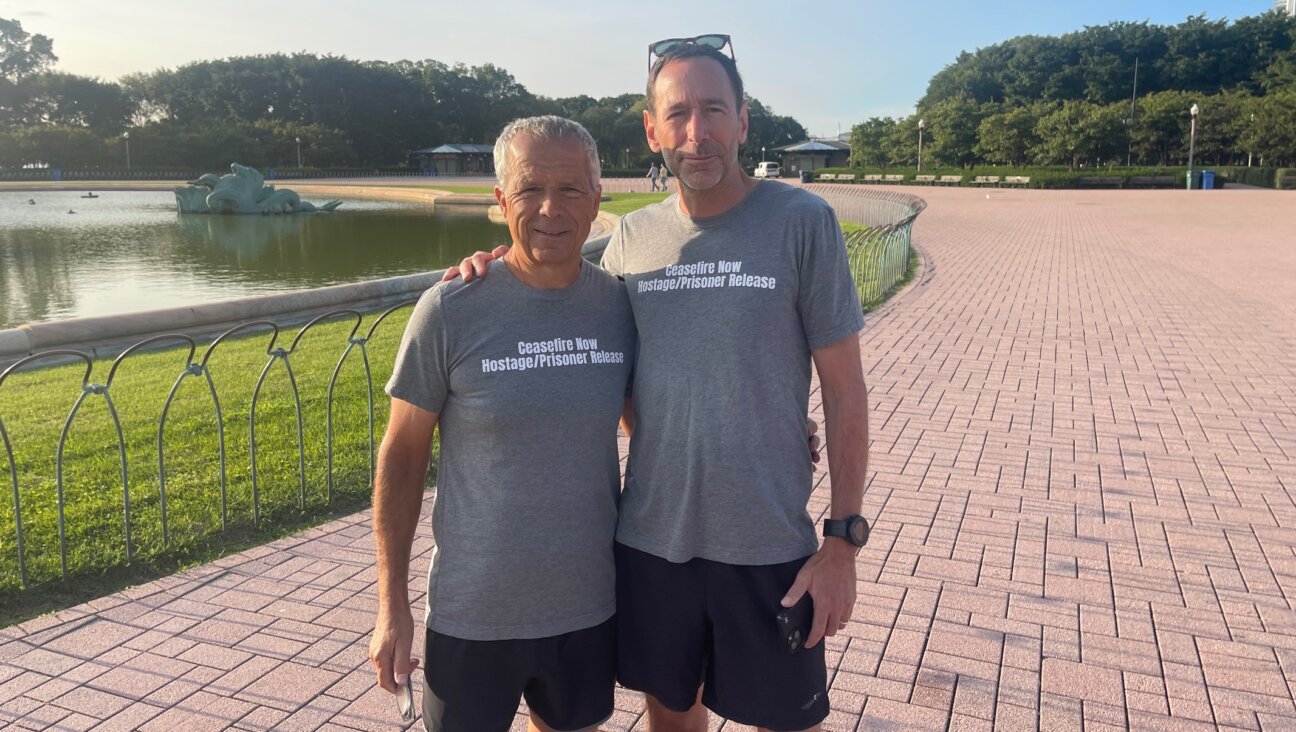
<point>922,124</point>
<point>627,157</point>
<point>126,137</point>
<point>762,153</point>
<point>1192,134</point>
<point>299,164</point>
<point>1252,131</point>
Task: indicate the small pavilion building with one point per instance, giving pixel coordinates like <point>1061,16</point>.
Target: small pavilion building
<point>456,159</point>
<point>813,155</point>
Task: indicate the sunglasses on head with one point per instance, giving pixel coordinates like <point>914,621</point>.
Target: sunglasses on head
<point>716,41</point>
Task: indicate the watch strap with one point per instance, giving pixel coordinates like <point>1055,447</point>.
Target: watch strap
<point>839,528</point>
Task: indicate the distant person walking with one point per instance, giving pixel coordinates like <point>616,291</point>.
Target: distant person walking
<point>652,176</point>
<point>661,177</point>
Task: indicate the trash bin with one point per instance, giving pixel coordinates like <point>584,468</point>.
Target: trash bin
<point>1194,180</point>
<point>807,176</point>
<point>1208,180</point>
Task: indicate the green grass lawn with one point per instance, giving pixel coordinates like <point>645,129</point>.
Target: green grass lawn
<point>452,189</point>
<point>623,203</point>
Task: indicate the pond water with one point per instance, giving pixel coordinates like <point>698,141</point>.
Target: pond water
<point>130,251</point>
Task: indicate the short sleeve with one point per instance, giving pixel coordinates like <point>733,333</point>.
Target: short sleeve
<point>614,254</point>
<point>827,300</point>
<point>421,376</point>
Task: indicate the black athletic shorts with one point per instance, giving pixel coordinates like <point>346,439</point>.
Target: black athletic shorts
<point>475,686</point>
<point>712,624</point>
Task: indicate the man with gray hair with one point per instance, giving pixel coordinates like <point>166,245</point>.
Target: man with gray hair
<point>525,373</point>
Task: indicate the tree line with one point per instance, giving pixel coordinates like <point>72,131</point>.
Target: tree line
<point>252,109</point>
<point>1070,100</point>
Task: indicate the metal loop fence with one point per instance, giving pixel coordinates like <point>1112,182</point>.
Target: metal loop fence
<point>191,368</point>
<point>878,255</point>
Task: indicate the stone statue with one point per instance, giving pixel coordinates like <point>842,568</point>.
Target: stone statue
<point>241,192</point>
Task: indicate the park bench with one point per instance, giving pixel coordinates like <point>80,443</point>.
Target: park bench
<point>950,180</point>
<point>1288,180</point>
<point>924,180</point>
<point>873,178</point>
<point>1099,181</point>
<point>893,179</point>
<point>827,177</point>
<point>1017,180</point>
<point>1152,181</point>
<point>986,180</point>
<point>846,178</point>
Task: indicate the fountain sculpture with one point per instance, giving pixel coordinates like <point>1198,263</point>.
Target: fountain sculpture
<point>241,192</point>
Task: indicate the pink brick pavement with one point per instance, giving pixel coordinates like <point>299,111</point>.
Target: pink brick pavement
<point>1082,474</point>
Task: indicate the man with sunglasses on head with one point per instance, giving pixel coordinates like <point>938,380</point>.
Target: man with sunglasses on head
<point>737,287</point>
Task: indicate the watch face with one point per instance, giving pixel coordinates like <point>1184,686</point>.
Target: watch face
<point>859,531</point>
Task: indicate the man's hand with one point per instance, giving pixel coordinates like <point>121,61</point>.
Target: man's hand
<point>389,648</point>
<point>812,432</point>
<point>829,577</point>
<point>476,265</point>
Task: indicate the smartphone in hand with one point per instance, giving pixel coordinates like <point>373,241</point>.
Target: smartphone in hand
<point>405,701</point>
<point>794,623</point>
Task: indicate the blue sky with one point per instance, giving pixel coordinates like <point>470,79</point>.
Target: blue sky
<point>828,64</point>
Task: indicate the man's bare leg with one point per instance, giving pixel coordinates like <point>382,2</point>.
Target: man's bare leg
<point>662,719</point>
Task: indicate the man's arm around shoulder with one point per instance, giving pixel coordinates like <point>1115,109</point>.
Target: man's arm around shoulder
<point>829,575</point>
<point>398,496</point>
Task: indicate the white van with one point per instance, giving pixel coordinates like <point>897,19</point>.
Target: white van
<point>767,170</point>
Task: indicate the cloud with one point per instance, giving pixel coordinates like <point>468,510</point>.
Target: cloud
<point>23,12</point>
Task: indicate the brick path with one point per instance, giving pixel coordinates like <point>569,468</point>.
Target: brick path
<point>1082,471</point>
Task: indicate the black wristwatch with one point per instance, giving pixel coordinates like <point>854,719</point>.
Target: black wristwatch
<point>854,529</point>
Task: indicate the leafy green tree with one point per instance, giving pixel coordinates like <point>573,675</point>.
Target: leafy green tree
<point>868,142</point>
<point>1271,134</point>
<point>766,129</point>
<point>1007,137</point>
<point>1276,70</point>
<point>970,76</point>
<point>951,132</point>
<point>1220,126</point>
<point>1078,132</point>
<point>69,100</point>
<point>1096,64</point>
<point>10,154</point>
<point>251,109</point>
<point>321,147</point>
<point>22,53</point>
<point>901,143</point>
<point>1161,126</point>
<point>59,146</point>
<point>1267,41</point>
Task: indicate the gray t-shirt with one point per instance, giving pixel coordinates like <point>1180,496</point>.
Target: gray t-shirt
<point>728,308</point>
<point>529,384</point>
